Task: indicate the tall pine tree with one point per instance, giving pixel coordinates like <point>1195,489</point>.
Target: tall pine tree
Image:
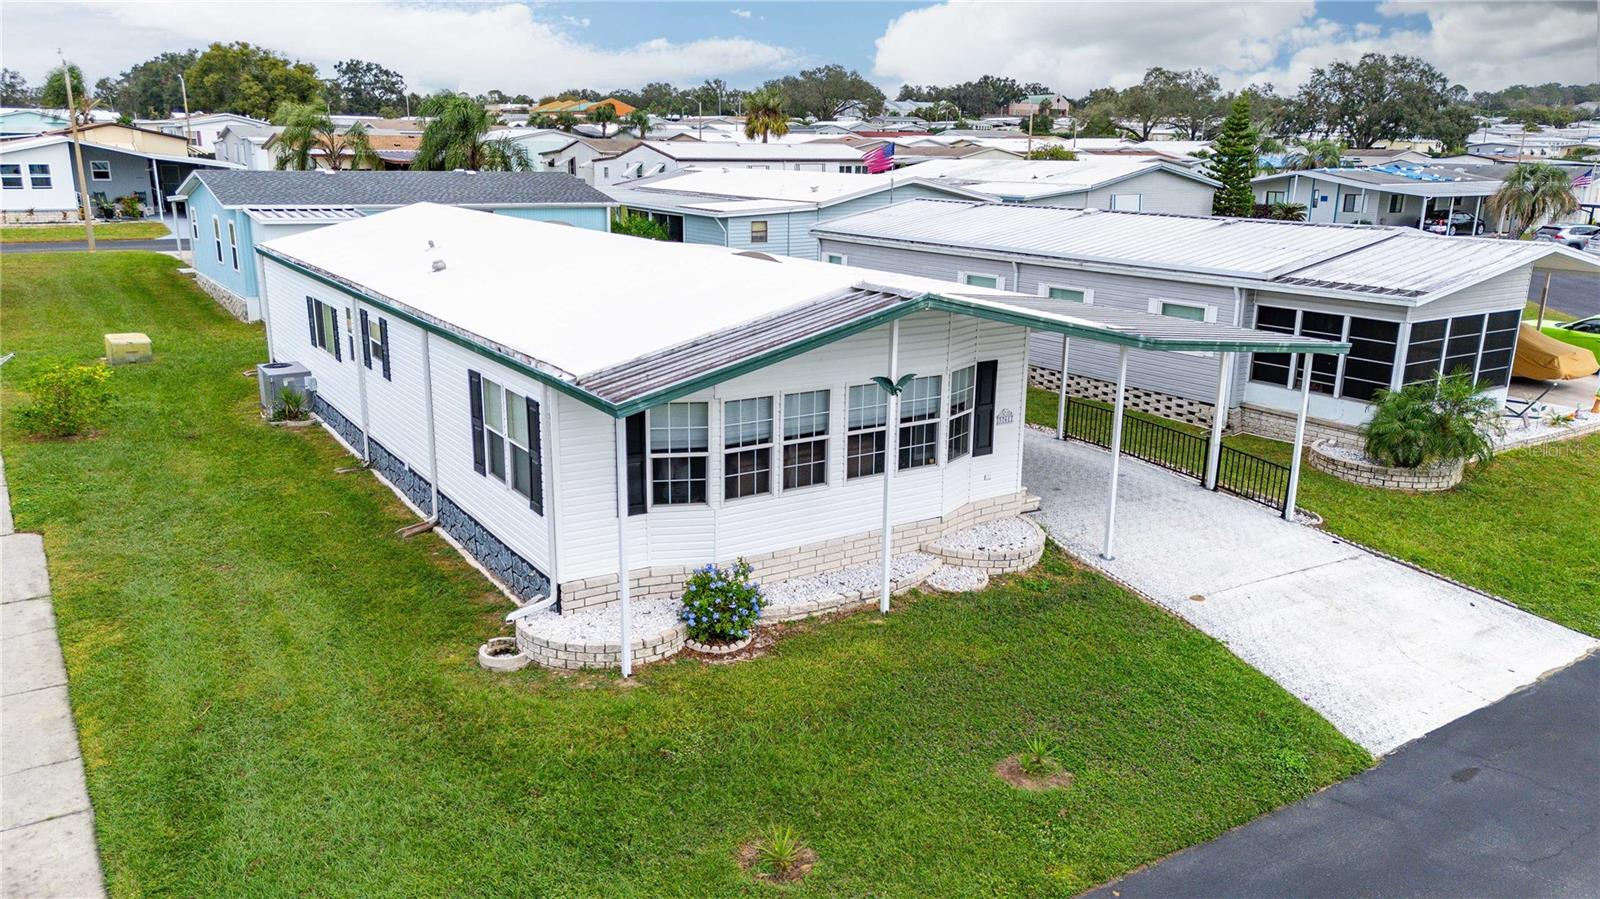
<point>1234,162</point>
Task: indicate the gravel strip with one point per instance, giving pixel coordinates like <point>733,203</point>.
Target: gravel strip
<point>845,581</point>
<point>1005,535</point>
<point>651,617</point>
<point>956,579</point>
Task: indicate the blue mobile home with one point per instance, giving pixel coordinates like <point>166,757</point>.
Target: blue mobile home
<point>230,212</point>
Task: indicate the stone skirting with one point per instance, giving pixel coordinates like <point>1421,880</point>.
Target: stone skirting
<point>574,656</point>
<point>516,574</point>
<point>1280,426</point>
<point>235,305</point>
<point>401,476</point>
<point>1164,405</point>
<point>1430,479</point>
<point>35,217</point>
<point>347,430</point>
<point>666,581</point>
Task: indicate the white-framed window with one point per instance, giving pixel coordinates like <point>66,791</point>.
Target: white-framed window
<point>1396,202</point>
<point>519,442</point>
<point>852,169</point>
<point>494,429</point>
<point>919,422</point>
<point>679,447</point>
<point>1353,203</point>
<point>1184,309</point>
<point>324,327</point>
<point>99,170</point>
<point>377,347</point>
<point>758,232</point>
<point>977,279</point>
<point>963,397</point>
<point>233,243</point>
<point>838,259</point>
<point>866,431</point>
<point>746,447</point>
<point>805,438</point>
<point>216,235</point>
<point>194,226</point>
<point>1276,196</point>
<point>1127,202</point>
<point>1067,293</point>
<point>511,441</point>
<point>11,176</point>
<point>39,175</point>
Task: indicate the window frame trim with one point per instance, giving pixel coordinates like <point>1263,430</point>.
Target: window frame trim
<point>94,173</point>
<point>650,455</point>
<point>1044,288</point>
<point>963,275</point>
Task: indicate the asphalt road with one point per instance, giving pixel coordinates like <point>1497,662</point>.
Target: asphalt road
<point>165,245</point>
<point>1502,802</point>
<point>1570,292</point>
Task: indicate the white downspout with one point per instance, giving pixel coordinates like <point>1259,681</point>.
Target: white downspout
<point>1116,451</point>
<point>891,458</point>
<point>620,443</point>
<point>427,417</point>
<point>1299,438</point>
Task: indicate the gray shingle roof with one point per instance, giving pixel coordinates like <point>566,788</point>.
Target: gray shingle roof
<point>248,188</point>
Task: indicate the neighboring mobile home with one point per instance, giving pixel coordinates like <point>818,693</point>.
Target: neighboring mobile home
<point>1122,183</point>
<point>1410,304</point>
<point>655,157</point>
<point>650,408</point>
<point>1393,194</point>
<point>769,211</point>
<point>230,212</point>
<point>38,177</point>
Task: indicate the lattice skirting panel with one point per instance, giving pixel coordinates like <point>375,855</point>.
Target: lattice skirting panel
<point>1165,405</point>
<point>404,478</point>
<point>517,574</point>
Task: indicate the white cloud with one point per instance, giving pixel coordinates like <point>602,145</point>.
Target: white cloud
<point>1075,47</point>
<point>742,13</point>
<point>459,47</point>
<point>575,22</point>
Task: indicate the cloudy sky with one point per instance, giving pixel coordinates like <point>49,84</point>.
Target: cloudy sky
<point>1072,46</point>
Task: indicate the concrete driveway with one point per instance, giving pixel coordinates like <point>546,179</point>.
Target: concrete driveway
<point>1502,802</point>
<point>1383,651</point>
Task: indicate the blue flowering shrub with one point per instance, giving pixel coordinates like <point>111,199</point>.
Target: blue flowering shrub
<point>720,605</point>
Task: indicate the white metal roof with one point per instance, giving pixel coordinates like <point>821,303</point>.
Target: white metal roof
<point>739,191</point>
<point>1397,264</point>
<point>699,151</point>
<point>1034,178</point>
<point>1414,180</point>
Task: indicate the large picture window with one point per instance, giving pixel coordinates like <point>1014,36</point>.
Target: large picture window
<point>919,422</point>
<point>679,446</point>
<point>867,431</point>
<point>747,447</point>
<point>963,393</point>
<point>805,439</point>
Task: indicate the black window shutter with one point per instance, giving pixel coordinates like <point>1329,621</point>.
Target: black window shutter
<point>983,411</point>
<point>383,338</point>
<point>311,318</point>
<point>475,389</point>
<point>333,316</point>
<point>535,459</point>
<point>636,480</point>
<point>366,345</point>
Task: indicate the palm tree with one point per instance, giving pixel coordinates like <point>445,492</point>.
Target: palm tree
<point>566,121</point>
<point>1533,192</point>
<point>307,131</point>
<point>764,115</point>
<point>1314,154</point>
<point>638,120</point>
<point>456,139</point>
<point>603,115</point>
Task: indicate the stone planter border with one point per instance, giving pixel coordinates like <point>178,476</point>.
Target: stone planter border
<point>491,662</point>
<point>566,656</point>
<point>722,649</point>
<point>993,561</point>
<point>1431,479</point>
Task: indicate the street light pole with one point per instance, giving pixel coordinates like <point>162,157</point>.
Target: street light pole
<point>188,139</point>
<point>77,149</point>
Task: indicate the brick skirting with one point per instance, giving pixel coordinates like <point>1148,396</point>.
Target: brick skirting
<point>1164,405</point>
<point>1280,426</point>
<point>665,581</point>
<point>573,656</point>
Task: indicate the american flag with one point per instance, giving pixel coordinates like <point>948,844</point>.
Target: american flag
<point>1584,180</point>
<point>879,158</point>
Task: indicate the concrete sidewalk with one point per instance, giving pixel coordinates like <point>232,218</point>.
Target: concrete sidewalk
<point>1385,652</point>
<point>47,845</point>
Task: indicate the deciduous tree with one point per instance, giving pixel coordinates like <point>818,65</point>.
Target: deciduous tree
<point>249,80</point>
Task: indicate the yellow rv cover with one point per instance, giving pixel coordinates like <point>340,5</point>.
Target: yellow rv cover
<point>1544,358</point>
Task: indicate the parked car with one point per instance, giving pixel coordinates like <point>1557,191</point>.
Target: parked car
<point>1574,236</point>
<point>1455,223</point>
<point>1584,332</point>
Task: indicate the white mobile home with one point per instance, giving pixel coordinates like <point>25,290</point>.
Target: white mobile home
<point>650,408</point>
<point>655,157</point>
<point>1411,304</point>
<point>1122,183</point>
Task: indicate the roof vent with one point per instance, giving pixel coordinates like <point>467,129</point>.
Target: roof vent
<point>438,265</point>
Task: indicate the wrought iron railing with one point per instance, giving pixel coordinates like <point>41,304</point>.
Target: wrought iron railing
<point>1238,472</point>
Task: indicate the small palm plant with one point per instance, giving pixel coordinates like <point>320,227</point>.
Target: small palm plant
<point>1445,421</point>
<point>291,405</point>
<point>780,850</point>
<point>1533,192</point>
<point>1037,757</point>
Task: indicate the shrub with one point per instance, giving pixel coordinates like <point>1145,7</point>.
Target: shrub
<point>65,399</point>
<point>131,206</point>
<point>638,224</point>
<point>1447,421</point>
<point>291,405</point>
<point>720,605</point>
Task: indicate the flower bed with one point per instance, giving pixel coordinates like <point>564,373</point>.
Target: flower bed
<point>1350,464</point>
<point>590,638</point>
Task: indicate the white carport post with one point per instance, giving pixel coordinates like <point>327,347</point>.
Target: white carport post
<point>1299,436</point>
<point>891,458</point>
<point>1219,418</point>
<point>1116,450</point>
<point>620,442</point>
<point>1061,401</point>
<point>1422,217</point>
<point>177,238</point>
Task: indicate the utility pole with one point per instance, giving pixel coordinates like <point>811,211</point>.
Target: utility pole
<point>77,149</point>
<point>188,139</point>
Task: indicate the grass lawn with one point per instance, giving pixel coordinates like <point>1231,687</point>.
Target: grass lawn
<point>1521,527</point>
<point>1531,313</point>
<point>62,233</point>
<point>278,694</point>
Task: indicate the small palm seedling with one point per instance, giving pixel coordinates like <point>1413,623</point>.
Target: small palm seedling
<point>1037,757</point>
<point>780,850</point>
<point>291,405</point>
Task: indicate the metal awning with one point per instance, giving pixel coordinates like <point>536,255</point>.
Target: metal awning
<point>302,214</point>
